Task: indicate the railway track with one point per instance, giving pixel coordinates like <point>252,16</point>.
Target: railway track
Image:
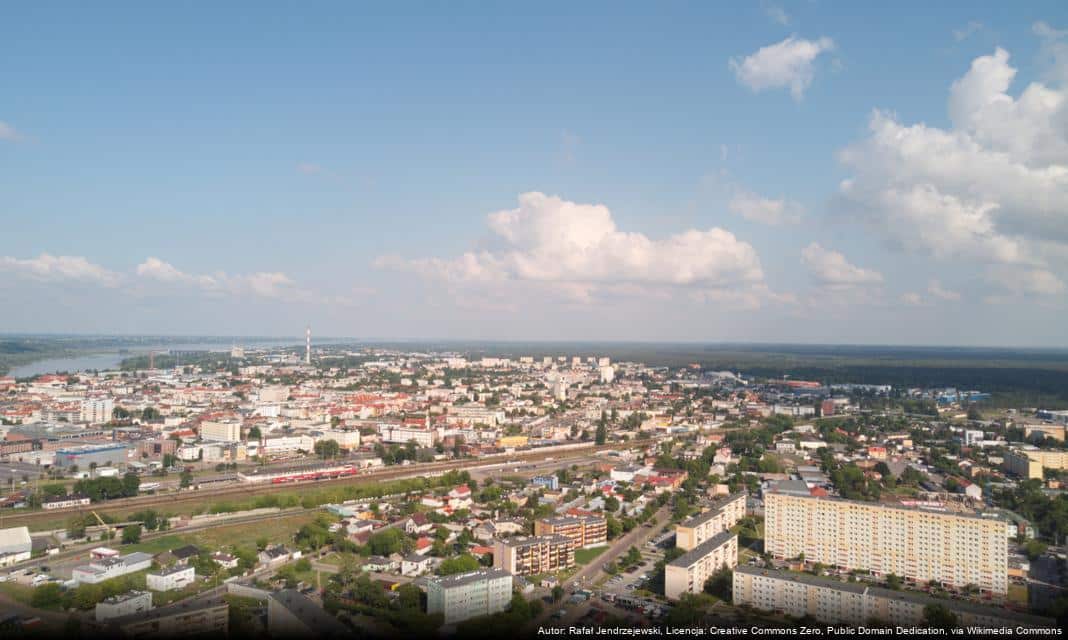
<point>168,500</point>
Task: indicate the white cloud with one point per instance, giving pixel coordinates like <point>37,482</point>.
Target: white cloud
<point>8,132</point>
<point>989,190</point>
<point>49,268</point>
<point>786,64</point>
<point>310,168</point>
<point>757,208</point>
<point>577,250</point>
<point>1024,282</point>
<point>831,269</point>
<point>967,31</point>
<point>776,13</point>
<point>262,284</point>
<point>912,298</point>
<point>934,287</point>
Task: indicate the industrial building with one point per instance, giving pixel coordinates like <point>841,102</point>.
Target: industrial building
<point>15,545</point>
<point>84,456</point>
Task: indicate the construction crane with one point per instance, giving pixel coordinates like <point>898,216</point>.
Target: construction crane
<point>107,527</point>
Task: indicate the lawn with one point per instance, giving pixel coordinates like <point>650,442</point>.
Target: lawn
<point>1018,593</point>
<point>586,556</point>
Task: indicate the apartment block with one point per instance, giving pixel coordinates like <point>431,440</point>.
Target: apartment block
<point>688,572</point>
<point>124,604</point>
<point>467,595</point>
<point>538,554</point>
<point>832,601</point>
<point>181,620</point>
<point>584,531</point>
<point>723,514</point>
<point>221,430</point>
<point>921,545</point>
<point>1029,462</point>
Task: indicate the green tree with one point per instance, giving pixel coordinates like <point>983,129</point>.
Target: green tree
<point>459,564</point>
<point>327,449</point>
<point>131,534</point>
<point>940,617</point>
<point>47,596</point>
<point>720,584</point>
<point>186,479</point>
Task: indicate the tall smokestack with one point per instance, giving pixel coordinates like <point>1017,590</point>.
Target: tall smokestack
<point>307,348</point>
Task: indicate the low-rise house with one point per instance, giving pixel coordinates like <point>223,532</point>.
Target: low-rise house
<point>415,564</point>
<point>177,577</point>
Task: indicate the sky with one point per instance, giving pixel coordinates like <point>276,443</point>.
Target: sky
<point>808,172</point>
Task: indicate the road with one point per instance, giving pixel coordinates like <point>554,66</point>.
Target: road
<point>591,573</point>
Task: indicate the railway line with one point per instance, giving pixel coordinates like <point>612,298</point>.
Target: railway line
<point>169,500</point>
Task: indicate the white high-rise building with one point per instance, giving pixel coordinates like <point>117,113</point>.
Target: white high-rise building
<point>97,410</point>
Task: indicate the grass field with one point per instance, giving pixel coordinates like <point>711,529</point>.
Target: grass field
<point>586,556</point>
<point>228,536</point>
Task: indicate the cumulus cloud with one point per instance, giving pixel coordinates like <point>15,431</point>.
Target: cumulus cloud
<point>262,284</point>
<point>912,299</point>
<point>578,248</point>
<point>831,269</point>
<point>786,64</point>
<point>991,189</point>
<point>769,211</point>
<point>1024,282</point>
<point>49,268</point>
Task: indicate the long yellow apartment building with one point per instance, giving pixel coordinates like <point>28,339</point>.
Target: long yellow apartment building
<point>920,545</point>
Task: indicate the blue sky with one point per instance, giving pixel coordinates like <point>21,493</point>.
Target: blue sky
<point>788,172</point>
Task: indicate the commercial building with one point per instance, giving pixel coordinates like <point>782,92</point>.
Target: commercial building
<point>220,430</point>
<point>101,569</point>
<point>921,545</point>
<point>177,577</point>
<point>1028,462</point>
<point>832,601</point>
<point>688,572</point>
<point>286,445</point>
<point>723,514</point>
<point>15,545</point>
<point>584,531</point>
<point>291,614</point>
<point>538,554</point>
<point>467,595</point>
<point>84,456</point>
<point>345,439</point>
<point>124,604</point>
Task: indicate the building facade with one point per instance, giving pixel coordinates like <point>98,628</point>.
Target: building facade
<point>124,604</point>
<point>724,514</point>
<point>539,554</point>
<point>584,531</point>
<point>832,601</point>
<point>919,545</point>
<point>468,595</point>
<point>177,577</point>
<point>688,572</point>
<point>1029,463</point>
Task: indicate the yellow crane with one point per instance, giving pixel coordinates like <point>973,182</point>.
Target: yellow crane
<point>107,527</point>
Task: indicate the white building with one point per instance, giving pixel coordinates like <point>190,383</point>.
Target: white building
<point>395,433</point>
<point>103,569</point>
<point>286,445</point>
<point>467,595</point>
<point>345,439</point>
<point>125,604</point>
<point>176,577</point>
<point>220,430</point>
<point>608,374</point>
<point>97,410</point>
<point>688,572</point>
<point>15,545</point>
